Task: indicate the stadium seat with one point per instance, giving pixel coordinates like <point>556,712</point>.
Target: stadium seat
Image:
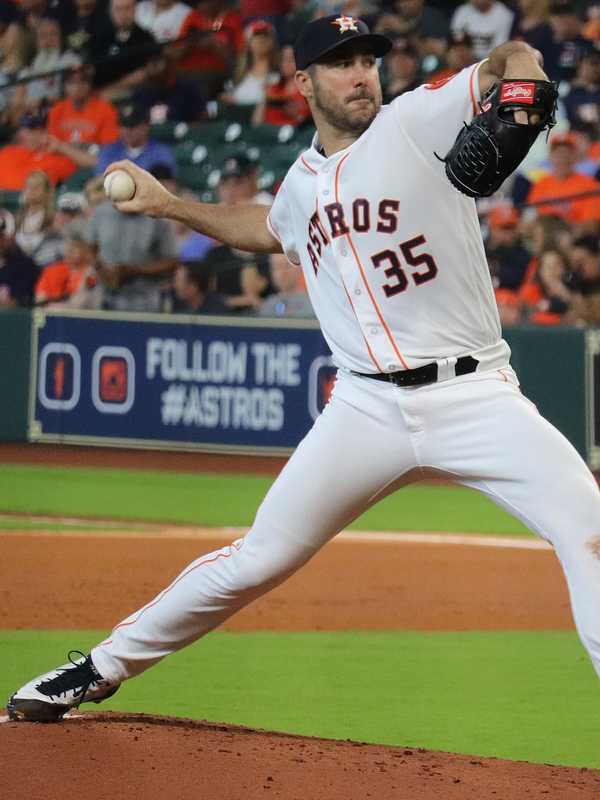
<point>9,200</point>
<point>169,132</point>
<point>268,179</point>
<point>268,135</point>
<point>77,181</point>
<point>279,158</point>
<point>304,136</point>
<point>235,113</point>
<point>211,133</point>
<point>192,153</point>
<point>197,178</point>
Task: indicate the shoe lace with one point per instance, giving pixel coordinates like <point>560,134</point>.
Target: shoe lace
<point>77,679</point>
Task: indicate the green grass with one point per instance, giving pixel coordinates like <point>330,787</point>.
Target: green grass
<point>218,500</point>
<point>15,523</point>
<point>20,525</point>
<point>528,696</point>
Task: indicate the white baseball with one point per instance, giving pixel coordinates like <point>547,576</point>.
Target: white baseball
<point>119,186</point>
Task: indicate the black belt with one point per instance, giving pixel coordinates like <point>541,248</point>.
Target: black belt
<point>421,375</point>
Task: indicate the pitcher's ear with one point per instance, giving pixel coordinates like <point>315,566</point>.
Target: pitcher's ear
<point>304,81</point>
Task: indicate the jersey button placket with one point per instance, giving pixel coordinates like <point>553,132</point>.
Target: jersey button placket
<point>323,182</point>
<point>347,263</point>
<point>363,306</point>
<point>373,327</point>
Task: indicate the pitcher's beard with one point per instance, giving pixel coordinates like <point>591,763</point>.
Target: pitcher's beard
<point>344,118</point>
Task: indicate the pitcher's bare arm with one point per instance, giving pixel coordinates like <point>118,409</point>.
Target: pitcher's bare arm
<point>241,226</point>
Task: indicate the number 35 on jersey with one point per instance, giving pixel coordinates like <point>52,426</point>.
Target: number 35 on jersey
<point>384,219</point>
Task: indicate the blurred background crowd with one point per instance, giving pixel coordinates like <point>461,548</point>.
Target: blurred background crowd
<point>202,95</point>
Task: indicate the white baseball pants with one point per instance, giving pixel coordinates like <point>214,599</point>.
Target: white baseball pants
<point>371,439</point>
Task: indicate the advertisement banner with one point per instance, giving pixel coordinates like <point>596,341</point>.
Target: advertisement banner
<point>211,383</point>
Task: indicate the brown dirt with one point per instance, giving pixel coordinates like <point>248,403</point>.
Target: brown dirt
<point>73,456</point>
<point>94,582</point>
<point>88,581</point>
<point>120,757</point>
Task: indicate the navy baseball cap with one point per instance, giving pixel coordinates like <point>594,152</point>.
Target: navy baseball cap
<point>324,35</point>
<point>132,114</point>
<point>33,119</point>
<point>237,166</point>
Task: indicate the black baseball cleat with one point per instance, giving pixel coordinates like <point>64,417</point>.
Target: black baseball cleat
<point>48,697</point>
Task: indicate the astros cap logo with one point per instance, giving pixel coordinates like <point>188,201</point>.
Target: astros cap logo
<point>322,36</point>
<point>345,24</point>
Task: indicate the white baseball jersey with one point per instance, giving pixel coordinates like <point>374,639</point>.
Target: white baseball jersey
<point>163,25</point>
<point>392,253</point>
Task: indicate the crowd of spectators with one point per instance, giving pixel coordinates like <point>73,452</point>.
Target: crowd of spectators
<point>84,83</point>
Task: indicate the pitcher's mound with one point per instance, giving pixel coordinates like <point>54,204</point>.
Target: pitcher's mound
<point>131,756</point>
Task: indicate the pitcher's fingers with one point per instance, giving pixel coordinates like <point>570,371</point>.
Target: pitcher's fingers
<point>127,166</point>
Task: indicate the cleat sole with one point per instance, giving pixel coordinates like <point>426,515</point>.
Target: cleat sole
<point>34,711</point>
<point>38,711</point>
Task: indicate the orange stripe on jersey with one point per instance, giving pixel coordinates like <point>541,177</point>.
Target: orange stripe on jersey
<point>235,546</point>
<point>472,90</point>
<point>437,84</point>
<point>373,359</point>
<point>364,277</point>
<point>308,167</point>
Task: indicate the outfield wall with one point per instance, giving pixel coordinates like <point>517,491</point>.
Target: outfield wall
<point>15,369</point>
<point>217,385</point>
<point>192,382</point>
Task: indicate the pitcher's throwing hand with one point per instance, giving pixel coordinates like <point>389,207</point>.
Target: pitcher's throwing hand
<point>150,197</point>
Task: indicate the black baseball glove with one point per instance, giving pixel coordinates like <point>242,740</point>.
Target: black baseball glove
<point>488,150</point>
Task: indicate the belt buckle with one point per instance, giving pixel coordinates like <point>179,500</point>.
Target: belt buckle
<point>446,368</point>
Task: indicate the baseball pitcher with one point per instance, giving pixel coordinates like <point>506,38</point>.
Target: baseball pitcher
<point>380,216</point>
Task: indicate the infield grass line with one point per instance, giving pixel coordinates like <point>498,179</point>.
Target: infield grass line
<point>226,535</point>
<point>229,500</point>
<point>13,523</point>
